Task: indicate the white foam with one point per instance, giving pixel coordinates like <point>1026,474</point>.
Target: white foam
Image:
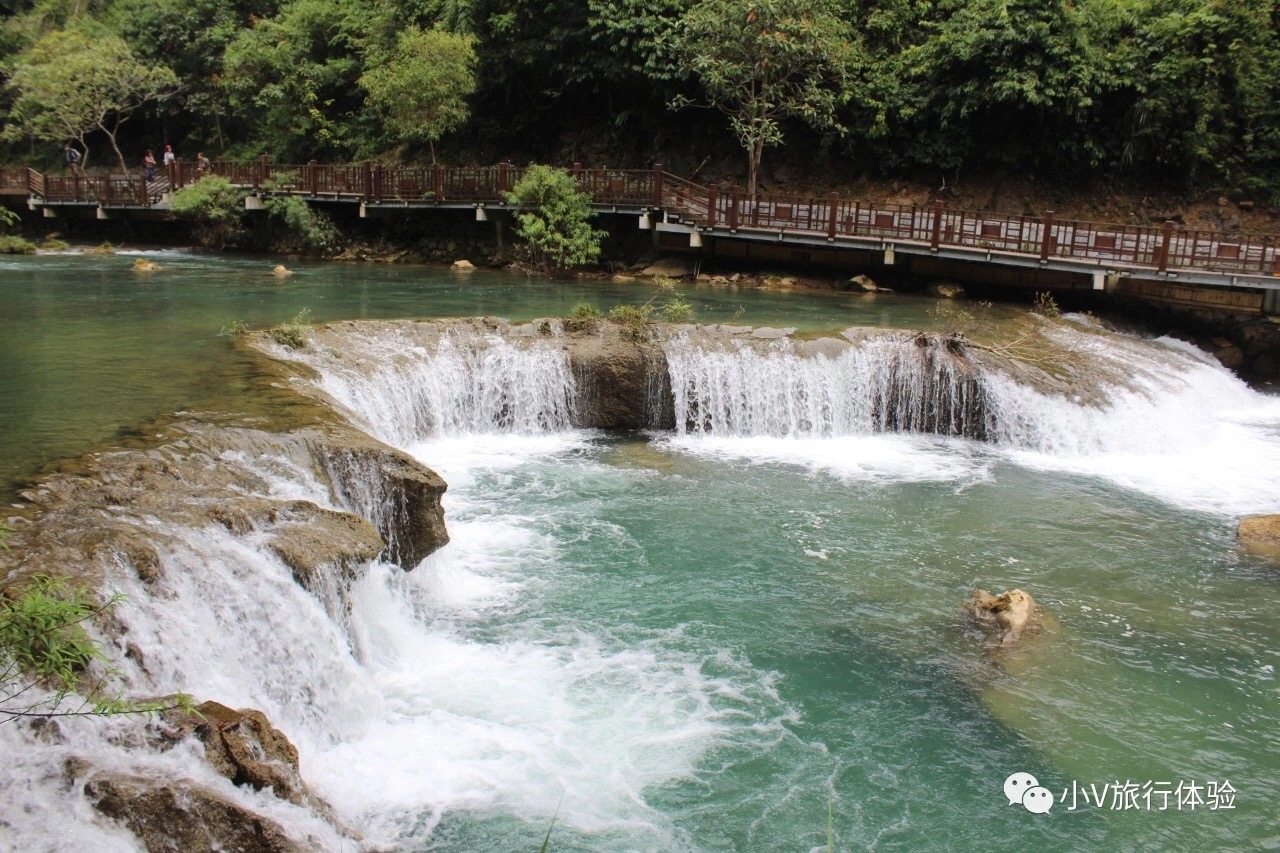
<point>868,458</point>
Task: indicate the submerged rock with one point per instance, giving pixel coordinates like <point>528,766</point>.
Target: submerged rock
<point>281,271</point>
<point>143,265</point>
<point>1006,616</point>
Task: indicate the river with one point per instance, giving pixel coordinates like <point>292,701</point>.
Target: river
<point>745,637</point>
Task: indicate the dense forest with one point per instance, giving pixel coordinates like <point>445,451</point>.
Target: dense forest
<point>1180,93</point>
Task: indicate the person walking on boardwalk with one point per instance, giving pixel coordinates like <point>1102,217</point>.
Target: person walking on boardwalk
<point>72,154</point>
<point>149,163</point>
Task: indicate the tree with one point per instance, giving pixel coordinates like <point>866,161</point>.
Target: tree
<point>761,61</point>
<point>555,218</point>
<point>74,82</point>
<point>215,207</point>
<point>421,89</point>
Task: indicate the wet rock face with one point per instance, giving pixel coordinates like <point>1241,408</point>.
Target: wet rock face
<point>244,746</point>
<point>614,374</point>
<point>1006,617</point>
<point>179,816</point>
<point>399,495</point>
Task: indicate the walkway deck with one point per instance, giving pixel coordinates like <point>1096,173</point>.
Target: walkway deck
<point>672,204</point>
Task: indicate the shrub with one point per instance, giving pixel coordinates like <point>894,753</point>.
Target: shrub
<point>1045,305</point>
<point>43,642</point>
<point>11,244</point>
<point>584,311</point>
<point>215,207</point>
<point>304,227</point>
<point>235,327</point>
<point>54,245</point>
<point>555,218</point>
<point>293,333</point>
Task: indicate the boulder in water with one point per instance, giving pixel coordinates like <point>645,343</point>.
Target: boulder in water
<point>945,290</point>
<point>1006,616</point>
<point>463,266</point>
<point>143,265</point>
<point>1260,534</point>
<point>281,271</point>
<point>244,746</point>
<point>863,283</point>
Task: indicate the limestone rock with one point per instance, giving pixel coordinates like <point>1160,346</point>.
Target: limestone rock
<point>178,815</point>
<point>312,540</point>
<point>1260,534</point>
<point>143,265</point>
<point>863,283</point>
<point>669,267</point>
<point>1006,616</point>
<point>398,494</point>
<point>244,746</point>
<point>281,271</point>
<point>463,266</point>
<point>945,290</point>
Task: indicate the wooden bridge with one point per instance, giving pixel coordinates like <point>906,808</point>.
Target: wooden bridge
<point>1183,260</point>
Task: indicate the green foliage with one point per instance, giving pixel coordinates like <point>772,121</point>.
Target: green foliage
<point>215,207</point>
<point>8,217</point>
<point>305,227</point>
<point>584,311</point>
<point>293,334</point>
<point>54,245</point>
<point>11,244</point>
<point>43,644</point>
<point>233,329</point>
<point>555,218</point>
<point>633,318</point>
<point>762,61</point>
<point>674,308</point>
<point>73,82</point>
<point>292,78</point>
<point>420,90</point>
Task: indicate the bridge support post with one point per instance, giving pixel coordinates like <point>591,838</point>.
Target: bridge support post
<point>1166,236</point>
<point>833,209</point>
<point>712,198</point>
<point>936,237</point>
<point>1047,236</point>
<point>733,209</point>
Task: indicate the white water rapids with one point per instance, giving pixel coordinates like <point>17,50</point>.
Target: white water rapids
<point>446,692</point>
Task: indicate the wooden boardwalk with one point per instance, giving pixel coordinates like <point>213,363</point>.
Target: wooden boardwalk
<point>674,205</point>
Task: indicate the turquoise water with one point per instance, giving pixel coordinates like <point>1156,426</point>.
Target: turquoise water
<point>711,643</point>
<point>92,348</point>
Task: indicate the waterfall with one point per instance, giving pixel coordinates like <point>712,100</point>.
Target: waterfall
<point>404,392</point>
<point>892,383</point>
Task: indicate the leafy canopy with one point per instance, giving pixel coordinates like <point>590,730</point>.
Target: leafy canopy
<point>420,91</point>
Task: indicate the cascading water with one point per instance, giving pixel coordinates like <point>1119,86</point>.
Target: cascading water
<point>892,383</point>
<point>404,392</point>
<point>615,637</point>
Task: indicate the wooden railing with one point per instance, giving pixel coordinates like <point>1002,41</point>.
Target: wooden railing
<point>1161,247</point>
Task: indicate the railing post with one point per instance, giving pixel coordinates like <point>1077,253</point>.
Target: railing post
<point>733,209</point>
<point>833,211</point>
<point>1047,221</point>
<point>1166,236</point>
<point>502,179</point>
<point>142,189</point>
<point>378,186</point>
<point>437,182</point>
<point>313,178</point>
<point>1262,261</point>
<point>366,178</point>
<point>712,195</point>
<point>75,185</point>
<point>657,185</point>
<point>936,237</point>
